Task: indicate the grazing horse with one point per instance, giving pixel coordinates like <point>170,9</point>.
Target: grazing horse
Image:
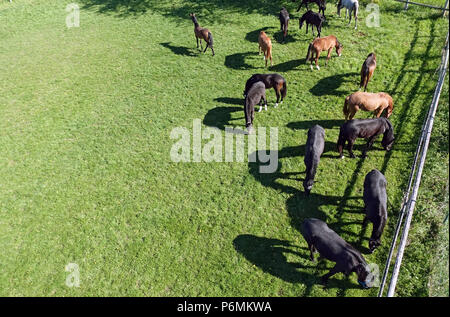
<point>375,206</point>
<point>255,95</point>
<point>368,129</point>
<point>314,149</point>
<point>202,33</point>
<point>313,18</point>
<point>270,80</point>
<point>350,5</point>
<point>367,70</point>
<point>321,3</point>
<point>368,101</point>
<point>323,44</point>
<point>265,44</point>
<point>331,246</point>
<point>284,21</point>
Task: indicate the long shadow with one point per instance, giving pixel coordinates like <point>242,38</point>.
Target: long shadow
<point>237,61</point>
<point>219,117</point>
<point>287,66</point>
<point>305,125</point>
<point>330,85</point>
<point>178,50</point>
<point>254,35</point>
<point>231,101</point>
<point>269,255</point>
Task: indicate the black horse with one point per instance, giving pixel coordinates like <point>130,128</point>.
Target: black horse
<point>332,247</point>
<point>321,3</point>
<point>255,95</point>
<point>375,206</point>
<point>368,129</point>
<point>275,81</point>
<point>314,19</point>
<point>284,21</point>
<point>313,150</point>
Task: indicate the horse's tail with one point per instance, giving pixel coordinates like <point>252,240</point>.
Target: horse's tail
<point>308,55</point>
<point>345,110</point>
<point>210,39</point>
<point>341,140</point>
<point>284,89</point>
<point>363,76</point>
<point>390,105</point>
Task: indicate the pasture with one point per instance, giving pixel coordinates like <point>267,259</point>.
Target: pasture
<point>86,175</point>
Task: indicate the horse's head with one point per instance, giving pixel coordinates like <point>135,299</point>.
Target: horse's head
<point>388,136</point>
<point>373,244</point>
<point>339,47</point>
<point>365,278</point>
<point>193,17</point>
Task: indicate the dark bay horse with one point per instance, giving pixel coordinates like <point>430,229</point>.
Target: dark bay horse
<point>284,21</point>
<point>255,95</point>
<point>368,129</point>
<point>202,34</point>
<point>367,70</point>
<point>313,18</point>
<point>275,81</point>
<point>321,3</point>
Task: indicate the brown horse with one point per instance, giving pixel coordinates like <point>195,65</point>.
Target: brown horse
<point>367,70</point>
<point>323,44</point>
<point>265,44</point>
<point>367,101</point>
<point>202,34</point>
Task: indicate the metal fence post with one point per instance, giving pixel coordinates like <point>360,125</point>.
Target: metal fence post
<point>445,7</point>
<point>406,5</point>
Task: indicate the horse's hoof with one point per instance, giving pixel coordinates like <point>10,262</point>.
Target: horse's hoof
<point>276,105</point>
<point>342,157</point>
<point>318,68</point>
<point>311,67</point>
<point>259,109</point>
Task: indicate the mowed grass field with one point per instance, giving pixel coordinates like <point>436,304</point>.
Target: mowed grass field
<point>86,175</point>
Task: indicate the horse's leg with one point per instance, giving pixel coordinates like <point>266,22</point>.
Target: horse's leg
<point>197,40</point>
<point>350,147</point>
<point>317,60</point>
<point>265,102</point>
<point>352,113</point>
<point>329,55</point>
<point>207,44</point>
<point>311,251</point>
<point>277,92</point>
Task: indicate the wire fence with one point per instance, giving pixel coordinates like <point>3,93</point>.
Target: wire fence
<point>409,199</point>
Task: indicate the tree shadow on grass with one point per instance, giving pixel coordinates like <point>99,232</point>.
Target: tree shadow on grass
<point>179,50</point>
<point>330,85</point>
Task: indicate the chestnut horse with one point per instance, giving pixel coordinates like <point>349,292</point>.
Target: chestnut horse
<point>265,44</point>
<point>368,101</point>
<point>367,70</point>
<point>323,44</point>
<point>202,34</point>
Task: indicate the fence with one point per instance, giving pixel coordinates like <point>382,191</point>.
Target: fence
<point>409,200</point>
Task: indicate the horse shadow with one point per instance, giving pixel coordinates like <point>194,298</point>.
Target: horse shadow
<point>269,255</point>
<point>253,36</point>
<point>178,50</point>
<point>288,66</point>
<point>304,125</point>
<point>237,61</point>
<point>280,38</point>
<point>330,85</point>
<point>220,117</point>
<point>230,101</point>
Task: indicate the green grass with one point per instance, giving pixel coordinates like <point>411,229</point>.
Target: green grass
<point>86,176</point>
